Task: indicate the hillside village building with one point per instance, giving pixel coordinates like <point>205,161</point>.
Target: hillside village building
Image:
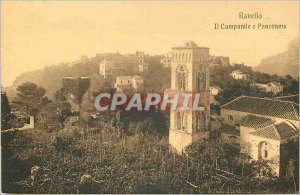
<point>137,82</point>
<point>110,68</point>
<point>219,60</point>
<point>273,87</point>
<point>262,127</point>
<point>238,75</point>
<point>166,61</point>
<point>118,65</point>
<point>128,83</point>
<point>189,73</point>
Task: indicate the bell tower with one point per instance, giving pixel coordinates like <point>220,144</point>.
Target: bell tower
<point>143,66</point>
<point>189,74</point>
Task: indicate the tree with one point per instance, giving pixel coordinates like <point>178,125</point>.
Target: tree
<point>53,115</point>
<point>5,112</point>
<point>291,86</point>
<point>60,95</point>
<point>31,96</point>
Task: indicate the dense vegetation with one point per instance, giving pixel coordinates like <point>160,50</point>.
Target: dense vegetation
<point>124,153</point>
<point>104,159</point>
<point>5,112</point>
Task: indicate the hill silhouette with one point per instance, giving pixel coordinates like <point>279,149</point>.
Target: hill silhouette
<point>285,63</point>
<point>50,77</point>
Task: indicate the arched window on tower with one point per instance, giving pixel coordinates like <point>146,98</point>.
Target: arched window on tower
<point>184,121</point>
<point>197,120</point>
<point>200,121</point>
<point>198,81</point>
<point>203,120</point>
<point>203,81</point>
<point>183,84</point>
<point>181,78</point>
<point>181,121</point>
<point>178,121</point>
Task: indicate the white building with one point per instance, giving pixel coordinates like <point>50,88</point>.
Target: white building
<point>215,90</point>
<point>273,87</point>
<point>266,143</point>
<point>238,75</point>
<point>261,126</point>
<point>137,82</point>
<point>117,65</point>
<point>124,83</point>
<point>108,68</point>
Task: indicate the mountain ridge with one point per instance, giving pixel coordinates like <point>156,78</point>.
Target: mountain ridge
<point>284,63</point>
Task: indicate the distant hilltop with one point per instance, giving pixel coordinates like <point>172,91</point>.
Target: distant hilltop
<point>50,77</point>
<point>286,63</point>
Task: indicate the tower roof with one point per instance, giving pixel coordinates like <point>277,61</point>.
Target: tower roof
<point>279,131</point>
<point>190,45</point>
<point>255,121</point>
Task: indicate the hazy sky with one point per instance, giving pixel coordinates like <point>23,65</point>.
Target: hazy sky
<point>38,33</point>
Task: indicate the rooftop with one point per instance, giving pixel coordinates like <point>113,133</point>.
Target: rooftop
<point>123,77</point>
<point>274,83</point>
<point>136,77</point>
<point>255,121</point>
<point>278,131</point>
<point>291,98</point>
<point>264,106</point>
<point>230,130</point>
<point>77,78</point>
<point>190,45</point>
<point>216,87</point>
<point>237,72</point>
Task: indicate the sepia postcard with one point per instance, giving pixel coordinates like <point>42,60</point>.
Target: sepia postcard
<point>149,97</point>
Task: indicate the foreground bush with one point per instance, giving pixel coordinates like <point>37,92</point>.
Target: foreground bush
<point>103,160</point>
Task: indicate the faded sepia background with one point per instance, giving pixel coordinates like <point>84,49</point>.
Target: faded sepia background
<point>59,57</point>
<point>38,34</point>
